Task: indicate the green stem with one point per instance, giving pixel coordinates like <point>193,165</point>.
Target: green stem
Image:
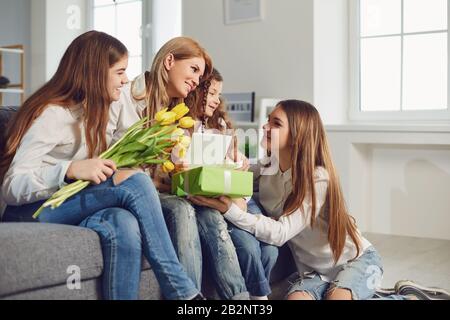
<point>69,190</point>
<point>138,124</point>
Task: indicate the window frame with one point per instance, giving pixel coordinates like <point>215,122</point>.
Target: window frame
<point>355,112</point>
<point>147,43</point>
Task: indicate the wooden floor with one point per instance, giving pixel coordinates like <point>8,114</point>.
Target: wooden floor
<point>425,261</point>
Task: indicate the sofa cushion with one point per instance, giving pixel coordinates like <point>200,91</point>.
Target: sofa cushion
<point>6,114</point>
<point>37,255</point>
<point>90,290</point>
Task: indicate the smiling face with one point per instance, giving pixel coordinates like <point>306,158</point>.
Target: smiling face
<point>184,75</point>
<point>276,131</point>
<point>213,98</point>
<point>117,78</point>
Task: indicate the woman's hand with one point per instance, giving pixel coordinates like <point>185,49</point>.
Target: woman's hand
<point>181,165</point>
<point>161,186</point>
<point>221,204</point>
<point>93,170</point>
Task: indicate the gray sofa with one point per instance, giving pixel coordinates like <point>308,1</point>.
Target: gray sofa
<point>35,259</point>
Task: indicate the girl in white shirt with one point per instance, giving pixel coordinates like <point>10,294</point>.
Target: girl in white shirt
<point>300,191</point>
<point>57,135</point>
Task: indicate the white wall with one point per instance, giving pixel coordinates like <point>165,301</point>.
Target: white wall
<point>396,179</point>
<point>38,44</point>
<point>331,82</point>
<point>411,188</point>
<point>166,21</point>
<point>15,29</point>
<point>273,57</point>
<point>55,23</point>
<point>65,20</point>
<point>299,50</point>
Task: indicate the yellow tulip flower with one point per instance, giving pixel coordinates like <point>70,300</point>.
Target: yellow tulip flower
<point>184,141</point>
<point>181,110</point>
<point>168,166</point>
<point>179,151</point>
<point>186,122</point>
<point>177,133</point>
<point>159,115</point>
<point>167,118</point>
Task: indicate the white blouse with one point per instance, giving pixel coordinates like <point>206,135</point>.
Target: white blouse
<point>53,141</point>
<point>309,246</point>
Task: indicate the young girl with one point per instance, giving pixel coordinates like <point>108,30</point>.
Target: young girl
<point>213,116</point>
<point>300,192</point>
<point>194,229</point>
<point>56,136</point>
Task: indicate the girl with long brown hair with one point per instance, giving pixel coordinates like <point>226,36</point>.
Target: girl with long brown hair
<point>300,192</point>
<point>57,135</point>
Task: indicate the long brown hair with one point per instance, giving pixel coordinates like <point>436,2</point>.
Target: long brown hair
<point>157,78</point>
<point>81,78</point>
<point>197,100</point>
<point>310,150</point>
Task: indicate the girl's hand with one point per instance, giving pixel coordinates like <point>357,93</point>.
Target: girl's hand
<point>245,162</point>
<point>241,203</point>
<point>93,170</point>
<point>221,204</point>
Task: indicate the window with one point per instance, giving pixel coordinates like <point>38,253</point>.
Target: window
<point>122,19</point>
<point>399,59</point>
<point>142,25</point>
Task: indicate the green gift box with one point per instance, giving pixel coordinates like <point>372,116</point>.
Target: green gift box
<point>213,181</point>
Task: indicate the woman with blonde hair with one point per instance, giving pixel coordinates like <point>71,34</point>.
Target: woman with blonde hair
<point>177,69</point>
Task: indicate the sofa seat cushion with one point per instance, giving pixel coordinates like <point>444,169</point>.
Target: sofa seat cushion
<point>6,115</point>
<point>38,255</point>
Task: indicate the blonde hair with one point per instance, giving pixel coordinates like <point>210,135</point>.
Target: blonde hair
<point>156,80</point>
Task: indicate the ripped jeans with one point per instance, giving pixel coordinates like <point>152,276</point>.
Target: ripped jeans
<point>194,229</point>
<point>361,277</point>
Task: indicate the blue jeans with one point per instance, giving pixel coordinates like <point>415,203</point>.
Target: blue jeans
<point>98,207</point>
<point>120,239</point>
<point>121,242</point>
<point>194,230</point>
<point>256,258</point>
<point>361,276</point>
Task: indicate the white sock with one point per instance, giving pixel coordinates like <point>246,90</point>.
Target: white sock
<point>258,298</point>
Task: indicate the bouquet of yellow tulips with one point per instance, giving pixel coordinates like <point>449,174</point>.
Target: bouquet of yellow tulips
<point>142,144</point>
